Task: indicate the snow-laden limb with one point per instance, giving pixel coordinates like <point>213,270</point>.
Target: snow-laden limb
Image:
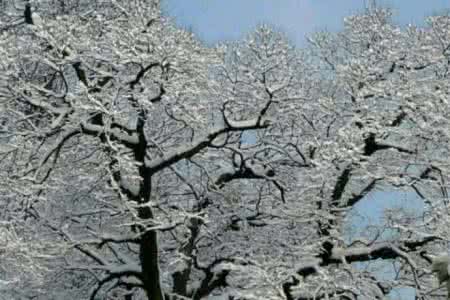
<point>116,133</point>
<point>53,151</point>
<point>199,144</point>
<point>115,273</point>
<point>357,253</point>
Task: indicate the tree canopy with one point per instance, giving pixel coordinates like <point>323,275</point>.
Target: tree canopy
<point>138,163</point>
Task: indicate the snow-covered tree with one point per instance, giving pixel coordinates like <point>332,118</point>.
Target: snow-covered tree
<point>137,163</point>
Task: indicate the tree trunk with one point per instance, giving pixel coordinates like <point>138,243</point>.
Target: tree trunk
<point>150,265</point>
<point>148,250</point>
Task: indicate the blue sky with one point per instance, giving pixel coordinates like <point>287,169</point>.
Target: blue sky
<point>218,20</point>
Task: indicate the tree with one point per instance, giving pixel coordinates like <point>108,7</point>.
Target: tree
<point>138,163</point>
